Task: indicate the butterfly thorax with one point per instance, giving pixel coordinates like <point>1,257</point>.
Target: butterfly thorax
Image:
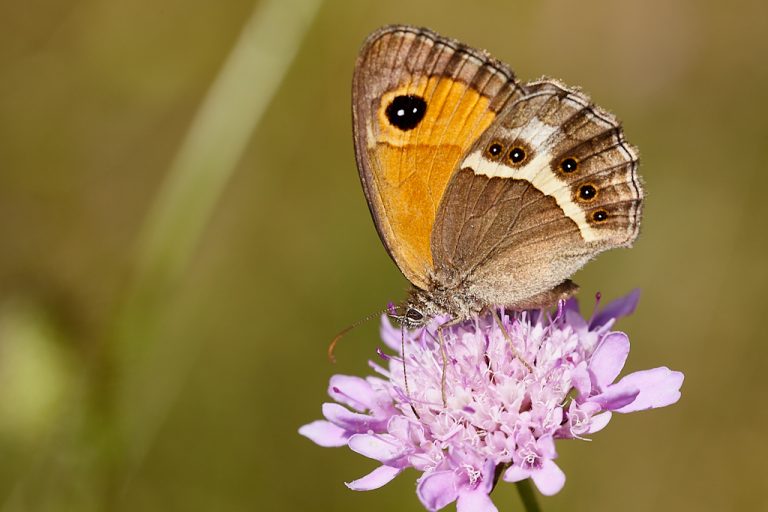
<point>457,303</point>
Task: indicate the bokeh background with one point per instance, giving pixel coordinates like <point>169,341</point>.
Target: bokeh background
<point>182,232</point>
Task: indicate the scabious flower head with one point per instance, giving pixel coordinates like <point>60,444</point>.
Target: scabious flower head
<point>484,414</point>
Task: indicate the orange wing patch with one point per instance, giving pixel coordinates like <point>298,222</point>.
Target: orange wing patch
<point>414,166</point>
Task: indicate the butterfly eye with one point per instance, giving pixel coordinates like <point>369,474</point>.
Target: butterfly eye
<point>406,112</point>
<point>494,149</point>
<point>569,165</point>
<point>587,192</point>
<point>516,155</point>
<point>599,215</point>
<point>414,315</point>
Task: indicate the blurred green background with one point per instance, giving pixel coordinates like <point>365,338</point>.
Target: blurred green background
<point>183,232</point>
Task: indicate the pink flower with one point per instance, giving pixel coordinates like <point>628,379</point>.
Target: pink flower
<point>499,418</point>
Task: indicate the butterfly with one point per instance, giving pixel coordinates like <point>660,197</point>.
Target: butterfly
<point>484,190</point>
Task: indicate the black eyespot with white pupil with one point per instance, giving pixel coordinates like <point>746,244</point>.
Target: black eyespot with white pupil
<point>406,112</point>
<point>495,149</point>
<point>569,165</point>
<point>600,215</point>
<point>587,192</point>
<point>516,155</point>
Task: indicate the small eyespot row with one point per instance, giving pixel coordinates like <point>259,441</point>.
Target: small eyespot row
<point>600,216</point>
<point>494,149</point>
<point>516,155</point>
<point>569,165</point>
<point>587,192</point>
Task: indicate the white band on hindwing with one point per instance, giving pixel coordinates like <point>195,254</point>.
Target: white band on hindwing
<point>538,172</point>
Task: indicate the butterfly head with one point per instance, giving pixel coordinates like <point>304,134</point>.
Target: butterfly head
<point>413,317</point>
<point>410,315</point>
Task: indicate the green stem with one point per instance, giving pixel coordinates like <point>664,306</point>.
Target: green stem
<point>528,495</point>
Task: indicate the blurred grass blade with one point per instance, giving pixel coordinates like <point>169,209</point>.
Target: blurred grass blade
<point>218,136</point>
<point>207,158</point>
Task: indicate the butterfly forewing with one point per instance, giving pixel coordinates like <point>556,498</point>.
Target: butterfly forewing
<point>419,102</point>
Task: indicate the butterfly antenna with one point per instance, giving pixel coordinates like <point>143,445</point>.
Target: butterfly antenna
<point>337,338</point>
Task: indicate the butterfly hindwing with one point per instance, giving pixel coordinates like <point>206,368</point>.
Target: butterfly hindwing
<point>549,185</point>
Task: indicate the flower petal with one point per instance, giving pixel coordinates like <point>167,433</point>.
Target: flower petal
<point>437,489</point>
<point>571,304</point>
<point>353,421</point>
<point>599,422</point>
<point>379,477</point>
<point>580,380</point>
<point>616,309</point>
<point>609,358</point>
<point>658,387</point>
<point>407,430</point>
<point>516,473</point>
<point>488,474</point>
<point>574,319</point>
<point>375,447</point>
<point>353,391</point>
<point>616,396</point>
<point>325,433</point>
<point>549,479</point>
<point>547,446</point>
<point>475,500</point>
<point>390,335</point>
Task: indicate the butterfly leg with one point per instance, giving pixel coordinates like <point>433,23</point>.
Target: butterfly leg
<point>405,372</point>
<point>516,353</point>
<point>444,355</point>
